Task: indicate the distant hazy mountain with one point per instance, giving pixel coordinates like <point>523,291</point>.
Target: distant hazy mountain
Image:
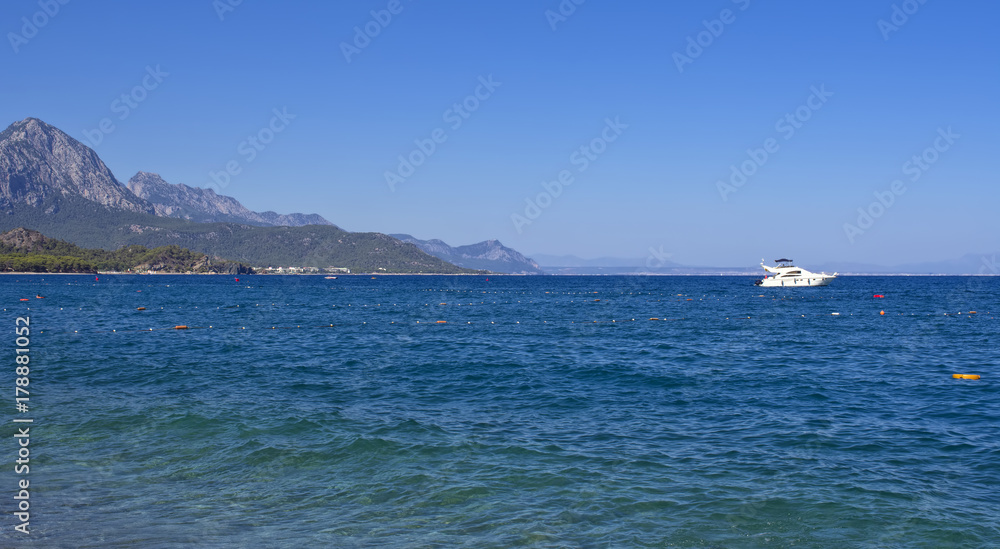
<point>571,264</point>
<point>968,264</point>
<point>986,264</point>
<point>490,255</point>
<point>574,261</point>
<point>39,162</point>
<point>205,206</point>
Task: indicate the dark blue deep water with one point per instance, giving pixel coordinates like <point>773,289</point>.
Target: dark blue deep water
<point>545,412</point>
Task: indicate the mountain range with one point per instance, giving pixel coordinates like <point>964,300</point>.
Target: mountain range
<point>53,184</point>
<point>205,206</point>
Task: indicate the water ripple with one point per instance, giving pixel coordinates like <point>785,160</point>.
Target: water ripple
<point>738,419</point>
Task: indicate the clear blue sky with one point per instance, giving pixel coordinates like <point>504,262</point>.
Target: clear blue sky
<point>656,185</point>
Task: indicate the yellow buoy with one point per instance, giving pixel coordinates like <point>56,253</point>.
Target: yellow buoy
<point>965,376</point>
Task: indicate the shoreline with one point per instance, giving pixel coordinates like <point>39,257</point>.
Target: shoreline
<point>478,274</point>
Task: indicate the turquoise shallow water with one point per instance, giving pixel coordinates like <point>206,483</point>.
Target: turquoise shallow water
<point>743,417</point>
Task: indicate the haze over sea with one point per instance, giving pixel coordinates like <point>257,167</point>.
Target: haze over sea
<point>544,412</point>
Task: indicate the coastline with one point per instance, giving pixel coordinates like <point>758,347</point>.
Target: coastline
<point>99,273</point>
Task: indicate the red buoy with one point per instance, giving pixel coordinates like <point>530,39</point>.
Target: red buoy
<point>878,295</point>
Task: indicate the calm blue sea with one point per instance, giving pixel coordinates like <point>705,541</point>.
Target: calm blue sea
<point>297,411</point>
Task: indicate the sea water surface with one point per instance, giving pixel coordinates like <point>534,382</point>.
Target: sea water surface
<point>504,411</point>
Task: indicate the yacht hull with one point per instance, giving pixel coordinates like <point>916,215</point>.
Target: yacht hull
<point>793,282</point>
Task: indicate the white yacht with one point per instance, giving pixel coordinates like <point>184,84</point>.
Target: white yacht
<point>786,274</point>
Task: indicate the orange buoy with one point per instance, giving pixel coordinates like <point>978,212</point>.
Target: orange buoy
<point>140,308</point>
<point>442,322</point>
<point>25,299</point>
<point>181,327</point>
<point>39,297</point>
<point>881,312</point>
<point>965,376</point>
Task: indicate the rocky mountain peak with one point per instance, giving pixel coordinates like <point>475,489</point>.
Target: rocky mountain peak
<point>38,161</point>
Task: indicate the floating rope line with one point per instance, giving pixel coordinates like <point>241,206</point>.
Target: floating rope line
<point>182,327</point>
<point>582,299</point>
